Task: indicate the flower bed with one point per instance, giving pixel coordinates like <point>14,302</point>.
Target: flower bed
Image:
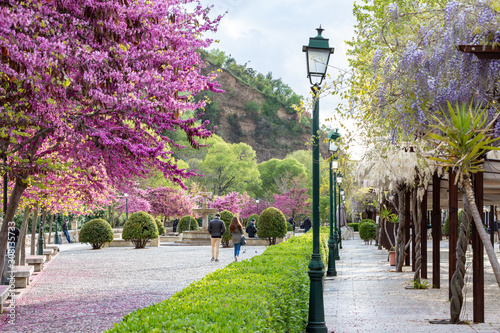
<point>268,293</point>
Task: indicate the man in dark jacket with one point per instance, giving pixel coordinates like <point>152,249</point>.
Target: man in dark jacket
<point>306,225</point>
<point>292,222</point>
<point>251,229</point>
<point>216,228</point>
<point>65,230</point>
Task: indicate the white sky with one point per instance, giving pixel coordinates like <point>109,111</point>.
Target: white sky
<point>269,34</point>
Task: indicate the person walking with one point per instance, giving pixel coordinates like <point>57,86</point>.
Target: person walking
<point>65,230</point>
<point>216,229</point>
<point>306,224</point>
<point>236,230</point>
<point>251,229</point>
<point>174,225</point>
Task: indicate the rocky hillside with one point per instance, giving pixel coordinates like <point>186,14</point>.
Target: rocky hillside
<point>243,114</point>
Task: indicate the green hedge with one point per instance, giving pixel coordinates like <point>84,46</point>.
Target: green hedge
<point>267,293</point>
<point>355,226</point>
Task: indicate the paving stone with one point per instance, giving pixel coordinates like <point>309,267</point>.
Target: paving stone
<point>369,296</point>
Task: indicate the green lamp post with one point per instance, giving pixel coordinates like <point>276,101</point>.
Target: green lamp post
<point>40,236</point>
<point>332,241</point>
<point>340,178</point>
<point>56,235</point>
<point>317,55</point>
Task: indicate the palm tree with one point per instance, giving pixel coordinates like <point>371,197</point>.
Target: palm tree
<point>462,139</point>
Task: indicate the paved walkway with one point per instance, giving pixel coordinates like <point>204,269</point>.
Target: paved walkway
<point>368,295</point>
<point>85,291</point>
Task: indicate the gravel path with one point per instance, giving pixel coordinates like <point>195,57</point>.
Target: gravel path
<point>83,290</point>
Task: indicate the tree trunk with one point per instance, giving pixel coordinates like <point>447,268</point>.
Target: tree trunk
<point>34,224</point>
<point>480,229</point>
<point>21,244</point>
<point>377,237</point>
<point>457,280</point>
<point>400,243</point>
<point>50,228</point>
<point>417,222</point>
<point>15,197</point>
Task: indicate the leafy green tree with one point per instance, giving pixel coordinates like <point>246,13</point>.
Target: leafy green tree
<point>230,167</point>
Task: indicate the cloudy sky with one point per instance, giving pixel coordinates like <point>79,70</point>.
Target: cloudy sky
<point>269,35</point>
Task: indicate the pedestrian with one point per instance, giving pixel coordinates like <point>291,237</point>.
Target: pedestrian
<point>216,228</point>
<point>292,222</point>
<point>174,225</point>
<point>236,230</point>
<point>251,229</point>
<point>65,230</point>
<point>306,224</point>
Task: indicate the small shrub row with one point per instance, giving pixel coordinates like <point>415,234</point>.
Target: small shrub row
<point>355,226</point>
<point>268,293</point>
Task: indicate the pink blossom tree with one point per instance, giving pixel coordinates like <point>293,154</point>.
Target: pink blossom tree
<point>249,206</point>
<point>293,202</point>
<point>170,202</point>
<point>232,202</point>
<point>100,83</point>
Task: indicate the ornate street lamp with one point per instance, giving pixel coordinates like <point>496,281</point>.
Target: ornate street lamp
<point>317,55</point>
<point>257,202</point>
<point>126,205</point>
<point>340,178</point>
<point>332,241</point>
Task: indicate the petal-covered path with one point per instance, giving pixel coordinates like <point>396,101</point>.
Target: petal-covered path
<point>83,290</point>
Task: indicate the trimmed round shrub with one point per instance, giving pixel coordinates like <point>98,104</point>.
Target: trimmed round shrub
<point>96,232</point>
<point>160,226</point>
<point>226,216</point>
<point>253,216</point>
<point>139,229</point>
<point>187,223</point>
<point>289,227</point>
<point>272,224</point>
<point>368,231</point>
<point>364,221</point>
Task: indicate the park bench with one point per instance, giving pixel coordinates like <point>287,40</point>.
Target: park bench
<point>48,254</point>
<point>53,247</point>
<point>22,275</point>
<point>36,261</point>
<point>347,232</point>
<point>4,293</point>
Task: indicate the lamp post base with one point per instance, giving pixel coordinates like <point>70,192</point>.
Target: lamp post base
<point>332,271</point>
<point>316,321</point>
<point>337,256</point>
